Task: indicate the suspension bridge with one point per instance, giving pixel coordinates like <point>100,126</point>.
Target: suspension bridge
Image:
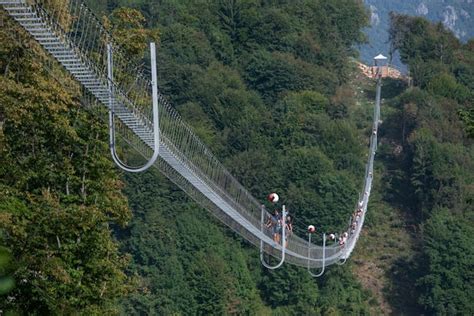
<point>73,35</point>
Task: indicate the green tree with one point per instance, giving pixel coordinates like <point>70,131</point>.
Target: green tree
<point>59,194</point>
<point>447,283</point>
<point>437,159</point>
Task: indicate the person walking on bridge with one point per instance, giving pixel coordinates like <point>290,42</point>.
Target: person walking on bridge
<point>275,222</point>
<point>288,229</point>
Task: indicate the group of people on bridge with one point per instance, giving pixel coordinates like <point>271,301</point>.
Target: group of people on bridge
<point>355,221</point>
<point>275,224</point>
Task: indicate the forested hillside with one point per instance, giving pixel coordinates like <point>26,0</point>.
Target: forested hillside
<point>433,125</point>
<point>269,87</point>
<point>59,192</point>
<point>263,86</point>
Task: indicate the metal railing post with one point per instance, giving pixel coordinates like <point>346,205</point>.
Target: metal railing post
<point>283,241</point>
<point>156,130</point>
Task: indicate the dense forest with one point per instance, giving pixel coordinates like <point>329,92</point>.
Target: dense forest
<point>433,124</point>
<point>59,193</point>
<point>270,87</point>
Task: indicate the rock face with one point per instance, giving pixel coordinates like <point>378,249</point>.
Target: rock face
<point>422,9</point>
<point>374,16</point>
<point>456,15</point>
<point>450,17</point>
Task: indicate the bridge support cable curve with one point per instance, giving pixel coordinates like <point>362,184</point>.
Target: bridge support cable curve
<point>282,241</point>
<point>156,129</point>
<point>324,256</point>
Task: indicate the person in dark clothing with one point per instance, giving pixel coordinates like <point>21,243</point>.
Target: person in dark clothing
<point>275,223</point>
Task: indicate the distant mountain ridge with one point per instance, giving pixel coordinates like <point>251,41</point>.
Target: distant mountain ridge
<point>456,15</point>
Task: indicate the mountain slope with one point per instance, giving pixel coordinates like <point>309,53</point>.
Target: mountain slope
<point>455,15</point>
